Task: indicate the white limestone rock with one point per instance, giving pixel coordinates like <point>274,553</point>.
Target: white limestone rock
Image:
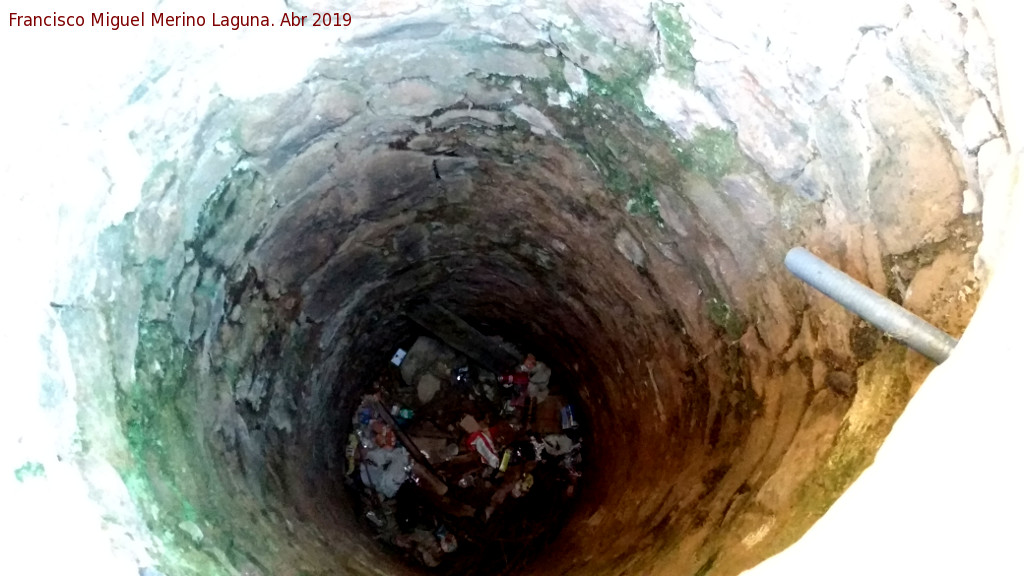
<point>683,109</point>
<point>979,126</point>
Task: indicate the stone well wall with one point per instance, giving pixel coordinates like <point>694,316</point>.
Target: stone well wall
<point>216,236</point>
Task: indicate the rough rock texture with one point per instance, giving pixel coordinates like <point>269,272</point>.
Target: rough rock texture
<point>614,183</point>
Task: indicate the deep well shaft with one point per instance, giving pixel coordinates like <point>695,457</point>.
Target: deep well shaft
<point>218,238</point>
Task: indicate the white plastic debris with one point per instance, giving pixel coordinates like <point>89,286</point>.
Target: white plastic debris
<point>386,470</point>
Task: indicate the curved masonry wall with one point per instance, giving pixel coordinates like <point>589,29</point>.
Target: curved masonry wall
<point>227,239</point>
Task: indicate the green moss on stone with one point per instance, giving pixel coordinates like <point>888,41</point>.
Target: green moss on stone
<point>618,132</point>
<point>30,470</point>
<point>163,445</point>
<point>188,511</point>
<point>712,153</point>
<point>221,205</point>
<point>625,89</point>
<point>160,359</point>
<point>643,202</point>
<point>634,151</point>
<point>725,317</point>
<point>883,392</point>
<point>614,128</point>
<point>153,276</point>
<point>676,43</point>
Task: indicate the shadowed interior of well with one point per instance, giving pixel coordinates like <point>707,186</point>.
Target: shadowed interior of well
<point>622,208</point>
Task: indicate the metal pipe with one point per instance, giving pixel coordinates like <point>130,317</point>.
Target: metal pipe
<point>883,313</point>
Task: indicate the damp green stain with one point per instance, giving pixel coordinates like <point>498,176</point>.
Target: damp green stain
<point>30,470</point>
<point>612,125</point>
<point>726,318</point>
<point>676,43</point>
<point>622,127</point>
<point>712,153</point>
<point>188,511</point>
<point>624,88</point>
<point>883,389</point>
<point>642,202</point>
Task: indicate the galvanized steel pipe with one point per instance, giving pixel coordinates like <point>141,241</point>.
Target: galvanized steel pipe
<point>883,313</point>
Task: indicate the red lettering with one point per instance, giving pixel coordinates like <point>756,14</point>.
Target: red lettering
<point>292,19</point>
<point>52,20</point>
